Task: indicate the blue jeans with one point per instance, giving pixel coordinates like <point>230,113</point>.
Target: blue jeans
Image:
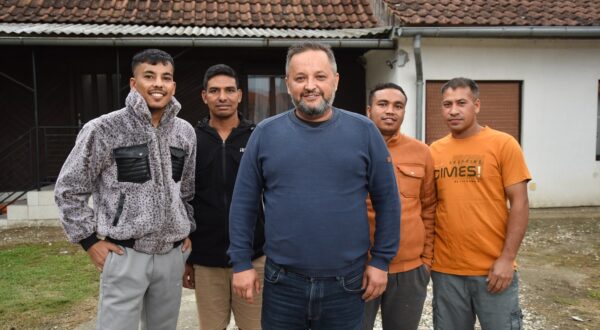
<point>294,301</point>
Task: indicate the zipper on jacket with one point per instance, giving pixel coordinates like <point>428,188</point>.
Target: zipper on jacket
<point>224,170</point>
<point>165,184</point>
<point>119,209</point>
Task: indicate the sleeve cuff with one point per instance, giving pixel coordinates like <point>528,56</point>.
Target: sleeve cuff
<point>242,266</point>
<point>379,263</point>
<point>87,243</point>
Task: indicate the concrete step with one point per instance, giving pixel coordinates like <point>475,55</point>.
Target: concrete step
<point>20,214</point>
<point>43,197</point>
<point>21,211</point>
<point>37,205</point>
<point>17,210</point>
<point>39,212</point>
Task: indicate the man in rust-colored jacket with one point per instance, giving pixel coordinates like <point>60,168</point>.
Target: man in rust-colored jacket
<point>408,277</point>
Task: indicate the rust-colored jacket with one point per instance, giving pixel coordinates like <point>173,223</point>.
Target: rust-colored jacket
<point>413,167</point>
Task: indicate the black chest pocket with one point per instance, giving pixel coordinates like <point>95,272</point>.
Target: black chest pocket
<point>133,164</point>
<point>177,161</point>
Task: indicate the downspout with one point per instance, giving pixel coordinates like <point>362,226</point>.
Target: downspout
<point>419,71</point>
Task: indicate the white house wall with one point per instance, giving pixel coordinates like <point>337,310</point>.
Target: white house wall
<point>559,102</point>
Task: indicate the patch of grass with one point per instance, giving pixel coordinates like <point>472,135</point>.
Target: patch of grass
<point>594,294</point>
<point>43,279</point>
<point>565,301</point>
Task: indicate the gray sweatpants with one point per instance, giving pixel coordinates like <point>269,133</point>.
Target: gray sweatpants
<point>138,286</point>
<point>458,299</point>
<point>401,303</point>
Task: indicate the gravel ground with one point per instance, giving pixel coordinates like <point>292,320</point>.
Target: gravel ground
<point>188,317</point>
<point>531,321</point>
<point>560,267</point>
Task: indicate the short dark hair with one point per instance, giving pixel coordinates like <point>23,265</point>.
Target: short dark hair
<point>220,70</point>
<point>302,47</point>
<point>381,86</point>
<point>461,82</point>
<point>151,56</point>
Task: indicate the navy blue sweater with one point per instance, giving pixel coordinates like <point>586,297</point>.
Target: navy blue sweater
<point>314,182</point>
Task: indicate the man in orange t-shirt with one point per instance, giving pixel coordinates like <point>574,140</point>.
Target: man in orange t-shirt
<point>408,277</point>
<point>477,169</point>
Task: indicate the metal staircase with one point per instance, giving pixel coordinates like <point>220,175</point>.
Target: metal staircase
<point>32,161</point>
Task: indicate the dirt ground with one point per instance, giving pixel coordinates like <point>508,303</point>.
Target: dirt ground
<point>560,269</point>
<point>559,263</point>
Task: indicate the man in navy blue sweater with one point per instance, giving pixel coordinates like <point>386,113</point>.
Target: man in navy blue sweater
<point>314,166</point>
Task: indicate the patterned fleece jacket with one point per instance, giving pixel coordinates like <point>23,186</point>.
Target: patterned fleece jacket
<point>141,179</point>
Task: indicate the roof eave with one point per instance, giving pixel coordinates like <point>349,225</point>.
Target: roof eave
<point>194,36</point>
<point>189,42</point>
<point>501,32</point>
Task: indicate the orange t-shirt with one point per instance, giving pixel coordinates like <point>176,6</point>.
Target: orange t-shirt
<point>472,212</point>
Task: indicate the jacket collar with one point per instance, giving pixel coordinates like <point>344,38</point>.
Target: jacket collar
<point>244,123</point>
<point>137,106</point>
<point>396,139</point>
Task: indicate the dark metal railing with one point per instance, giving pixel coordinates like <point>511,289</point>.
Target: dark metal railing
<point>33,160</point>
<point>16,163</point>
<point>57,142</point>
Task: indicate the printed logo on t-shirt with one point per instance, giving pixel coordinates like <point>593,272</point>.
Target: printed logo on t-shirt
<point>461,168</point>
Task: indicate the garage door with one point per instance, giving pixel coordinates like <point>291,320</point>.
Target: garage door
<point>500,108</point>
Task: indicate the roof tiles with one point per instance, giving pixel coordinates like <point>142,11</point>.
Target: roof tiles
<point>494,12</point>
<point>307,14</point>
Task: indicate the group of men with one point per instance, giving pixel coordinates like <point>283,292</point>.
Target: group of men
<point>295,223</point>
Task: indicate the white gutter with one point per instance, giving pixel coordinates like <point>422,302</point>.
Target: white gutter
<point>190,42</point>
<point>502,32</point>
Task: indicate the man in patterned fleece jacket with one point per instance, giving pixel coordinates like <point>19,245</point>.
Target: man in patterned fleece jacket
<point>138,165</point>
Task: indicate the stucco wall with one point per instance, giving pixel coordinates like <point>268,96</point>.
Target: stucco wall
<point>560,103</point>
